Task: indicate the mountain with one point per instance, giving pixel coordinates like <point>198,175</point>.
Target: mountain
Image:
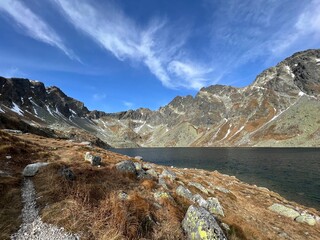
<point>280,108</point>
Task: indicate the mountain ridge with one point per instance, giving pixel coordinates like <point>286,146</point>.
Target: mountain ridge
<point>279,108</point>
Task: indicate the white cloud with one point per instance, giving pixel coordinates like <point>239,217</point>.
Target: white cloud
<point>156,45</point>
<point>11,72</point>
<point>191,74</point>
<point>128,104</point>
<point>33,25</point>
<point>99,97</point>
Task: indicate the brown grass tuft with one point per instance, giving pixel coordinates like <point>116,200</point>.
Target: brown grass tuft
<point>148,184</point>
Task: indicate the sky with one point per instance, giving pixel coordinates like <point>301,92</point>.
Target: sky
<point>116,55</point>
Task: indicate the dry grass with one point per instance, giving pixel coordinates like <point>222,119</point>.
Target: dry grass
<point>91,204</point>
<point>10,206</point>
<point>21,153</point>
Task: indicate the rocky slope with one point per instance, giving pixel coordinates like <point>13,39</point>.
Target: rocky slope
<point>280,108</point>
<point>127,198</point>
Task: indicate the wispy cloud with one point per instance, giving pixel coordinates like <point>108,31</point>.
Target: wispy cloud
<point>246,31</point>
<point>99,96</point>
<point>33,25</point>
<point>156,46</point>
<point>128,104</point>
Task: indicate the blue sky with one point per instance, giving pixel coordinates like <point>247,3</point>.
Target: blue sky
<point>119,55</point>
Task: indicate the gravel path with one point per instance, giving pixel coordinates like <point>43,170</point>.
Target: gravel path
<point>32,226</point>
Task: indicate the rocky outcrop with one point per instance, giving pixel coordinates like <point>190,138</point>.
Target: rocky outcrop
<point>198,223</point>
<point>126,167</point>
<point>293,214</point>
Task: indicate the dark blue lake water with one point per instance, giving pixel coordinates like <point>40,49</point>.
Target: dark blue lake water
<point>292,172</point>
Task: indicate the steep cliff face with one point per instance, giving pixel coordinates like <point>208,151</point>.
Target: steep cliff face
<point>280,108</point>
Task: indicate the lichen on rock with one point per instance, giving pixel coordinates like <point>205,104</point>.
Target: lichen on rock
<point>198,223</point>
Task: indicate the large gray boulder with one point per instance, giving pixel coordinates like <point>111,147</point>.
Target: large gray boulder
<point>198,223</point>
<point>284,211</point>
<point>31,169</point>
<point>126,166</point>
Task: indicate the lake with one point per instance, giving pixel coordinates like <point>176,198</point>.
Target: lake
<point>292,172</point>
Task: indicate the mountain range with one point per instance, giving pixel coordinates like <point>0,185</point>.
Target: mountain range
<point>280,108</point>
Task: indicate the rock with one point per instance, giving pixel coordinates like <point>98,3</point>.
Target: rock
<point>8,157</point>
<point>198,186</point>
<point>307,218</point>
<point>225,227</point>
<point>138,166</point>
<point>142,174</point>
<point>138,158</point>
<point>152,173</point>
<point>213,206</point>
<point>147,166</point>
<point>85,143</point>
<point>184,192</point>
<point>222,189</point>
<point>162,182</point>
<point>88,157</point>
<point>67,173</point>
<point>162,195</point>
<point>123,196</point>
<point>284,211</point>
<point>31,169</point>
<point>126,166</point>
<point>168,174</point>
<point>94,160</point>
<point>198,223</point>
<point>4,174</point>
<point>200,200</point>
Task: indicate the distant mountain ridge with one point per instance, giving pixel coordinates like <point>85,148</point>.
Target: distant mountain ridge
<point>280,108</point>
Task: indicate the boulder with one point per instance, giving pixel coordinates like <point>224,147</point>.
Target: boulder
<point>184,192</point>
<point>307,218</point>
<point>199,187</point>
<point>213,205</point>
<point>198,223</point>
<point>142,174</point>
<point>200,200</point>
<point>31,169</point>
<point>169,174</point>
<point>284,211</point>
<point>67,173</point>
<point>152,173</point>
<point>138,158</point>
<point>88,157</point>
<point>138,166</point>
<point>147,166</point>
<point>94,160</point>
<point>162,182</point>
<point>126,166</point>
